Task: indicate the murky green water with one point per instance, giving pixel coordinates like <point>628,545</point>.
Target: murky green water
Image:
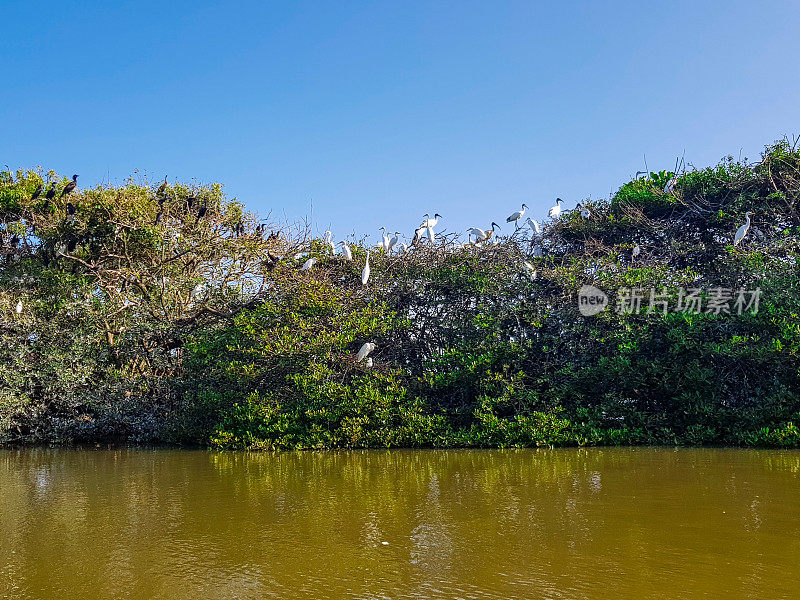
<point>641,523</point>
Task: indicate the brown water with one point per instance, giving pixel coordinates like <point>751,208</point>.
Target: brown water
<point>599,523</point>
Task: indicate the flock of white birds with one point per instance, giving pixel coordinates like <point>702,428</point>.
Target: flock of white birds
<point>475,236</point>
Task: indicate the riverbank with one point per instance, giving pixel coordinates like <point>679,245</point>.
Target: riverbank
<point>138,314</point>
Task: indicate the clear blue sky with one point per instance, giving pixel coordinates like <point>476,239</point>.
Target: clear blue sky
<point>382,111</point>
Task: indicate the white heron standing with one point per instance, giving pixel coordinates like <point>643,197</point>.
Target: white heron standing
<point>393,242</point>
<point>385,240</point>
<point>534,225</point>
<point>308,264</point>
<point>366,348</point>
<point>348,255</point>
<point>516,216</point>
<point>742,231</point>
<point>365,271</point>
<point>555,211</point>
<point>329,242</point>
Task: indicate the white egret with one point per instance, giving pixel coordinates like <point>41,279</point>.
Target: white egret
<point>584,211</point>
<point>516,216</point>
<point>534,225</point>
<point>393,242</point>
<point>300,255</point>
<point>402,247</point>
<point>369,362</point>
<point>431,235</point>
<point>365,350</point>
<point>531,269</point>
<point>742,231</point>
<point>329,242</point>
<point>348,255</point>
<point>365,272</point>
<point>555,211</point>
<point>18,308</point>
<point>385,240</point>
<point>308,264</point>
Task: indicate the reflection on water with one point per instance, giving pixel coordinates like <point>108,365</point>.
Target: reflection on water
<point>598,523</point>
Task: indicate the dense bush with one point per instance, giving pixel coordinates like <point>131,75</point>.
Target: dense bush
<point>144,321</point>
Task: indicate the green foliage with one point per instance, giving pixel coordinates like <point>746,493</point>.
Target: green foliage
<point>172,328</point>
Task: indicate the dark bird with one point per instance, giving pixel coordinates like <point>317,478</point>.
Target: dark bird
<point>71,208</point>
<point>201,212</point>
<point>72,245</point>
<point>161,200</point>
<point>37,192</point>
<point>70,187</point>
<point>190,201</point>
<point>163,187</point>
<point>14,241</point>
<point>158,218</point>
<point>51,191</point>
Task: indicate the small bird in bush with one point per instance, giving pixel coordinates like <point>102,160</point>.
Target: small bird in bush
<point>14,241</point>
<point>555,211</point>
<point>201,212</point>
<point>348,255</point>
<point>308,264</point>
<point>516,216</point>
<point>365,271</point>
<point>37,192</point>
<point>70,187</point>
<point>51,191</point>
<point>366,348</point>
<point>18,308</point>
<point>534,225</point>
<point>368,364</point>
<point>742,231</point>
<point>190,201</point>
<point>401,248</point>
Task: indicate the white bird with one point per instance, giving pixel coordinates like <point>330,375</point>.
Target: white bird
<point>742,231</point>
<point>364,351</point>
<point>402,247</point>
<point>18,308</point>
<point>385,240</point>
<point>369,362</point>
<point>584,211</point>
<point>428,222</point>
<point>637,250</point>
<point>365,272</point>
<point>418,235</point>
<point>534,225</point>
<point>308,264</point>
<point>348,255</point>
<point>329,242</point>
<point>393,242</point>
<point>531,269</point>
<point>480,234</point>
<point>555,211</point>
<point>431,235</point>
<point>516,216</point>
<point>300,255</point>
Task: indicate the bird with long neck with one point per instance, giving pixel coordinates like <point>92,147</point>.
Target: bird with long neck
<point>365,271</point>
<point>516,216</point>
<point>742,231</point>
<point>70,187</point>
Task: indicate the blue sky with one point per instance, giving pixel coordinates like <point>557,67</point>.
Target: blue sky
<point>381,111</point>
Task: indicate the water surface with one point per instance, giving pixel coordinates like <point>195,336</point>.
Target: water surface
<point>598,523</point>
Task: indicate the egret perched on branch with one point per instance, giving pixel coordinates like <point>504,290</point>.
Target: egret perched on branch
<point>368,364</point>
<point>515,217</point>
<point>364,351</point>
<point>348,255</point>
<point>329,242</point>
<point>365,272</point>
<point>534,225</point>
<point>555,211</point>
<point>742,231</point>
<point>530,268</point>
<point>393,242</point>
<point>385,241</point>
<point>308,264</point>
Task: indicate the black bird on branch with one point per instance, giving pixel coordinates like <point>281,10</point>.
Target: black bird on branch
<point>51,191</point>
<point>190,201</point>
<point>71,208</point>
<point>201,213</point>
<point>37,192</point>
<point>158,218</point>
<point>70,187</point>
<point>14,241</point>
